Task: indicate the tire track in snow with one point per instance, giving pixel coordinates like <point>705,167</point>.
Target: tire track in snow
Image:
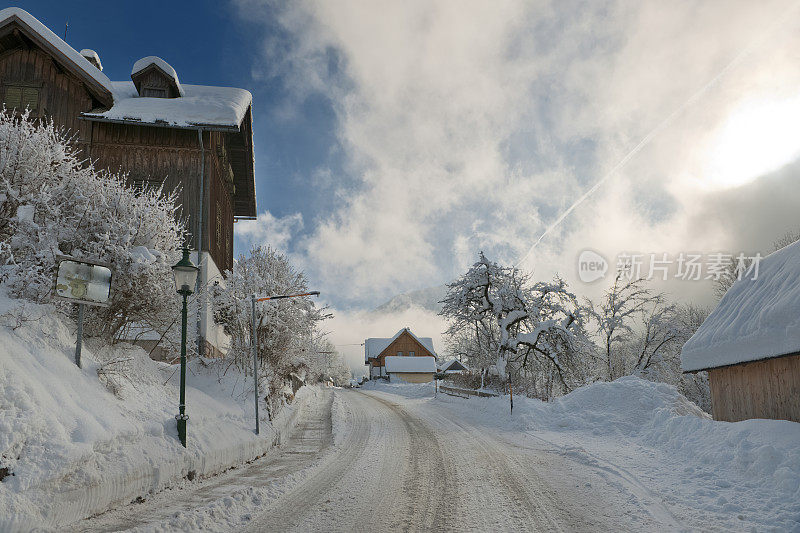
<point>429,488</point>
<point>532,505</point>
<point>291,508</point>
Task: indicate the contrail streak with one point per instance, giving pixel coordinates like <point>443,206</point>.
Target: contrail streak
<point>779,21</point>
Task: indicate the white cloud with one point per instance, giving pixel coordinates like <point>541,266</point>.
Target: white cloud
<point>270,230</point>
<point>472,125</point>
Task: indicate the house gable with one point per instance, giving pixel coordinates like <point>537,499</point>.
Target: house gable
<point>406,343</point>
<point>21,31</point>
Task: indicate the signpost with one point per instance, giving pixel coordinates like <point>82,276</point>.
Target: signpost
<point>82,282</point>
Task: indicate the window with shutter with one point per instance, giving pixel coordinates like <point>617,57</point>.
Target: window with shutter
<point>21,98</point>
<point>13,98</point>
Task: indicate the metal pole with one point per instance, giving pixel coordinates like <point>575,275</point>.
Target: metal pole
<point>182,406</point>
<point>79,340</point>
<point>253,341</point>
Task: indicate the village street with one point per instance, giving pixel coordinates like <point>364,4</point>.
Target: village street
<point>390,462</point>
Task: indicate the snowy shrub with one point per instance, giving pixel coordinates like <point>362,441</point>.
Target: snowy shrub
<point>54,203</point>
<point>285,329</point>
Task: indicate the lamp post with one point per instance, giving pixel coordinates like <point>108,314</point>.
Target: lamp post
<point>185,274</point>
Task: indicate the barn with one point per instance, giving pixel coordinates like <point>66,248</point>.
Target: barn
<point>404,344</point>
<point>418,369</point>
<point>162,132</point>
<point>750,344</point>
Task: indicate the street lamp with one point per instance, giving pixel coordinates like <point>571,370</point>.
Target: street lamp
<point>185,274</point>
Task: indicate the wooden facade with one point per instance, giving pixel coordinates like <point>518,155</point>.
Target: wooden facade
<point>211,166</point>
<point>405,344</point>
<point>769,388</point>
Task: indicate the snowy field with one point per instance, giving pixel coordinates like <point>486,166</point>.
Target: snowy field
<point>75,443</point>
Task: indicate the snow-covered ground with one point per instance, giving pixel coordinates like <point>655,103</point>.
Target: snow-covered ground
<point>624,456</point>
<point>647,439</point>
<point>75,443</point>
<point>630,455</point>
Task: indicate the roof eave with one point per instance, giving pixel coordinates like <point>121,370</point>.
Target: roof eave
<point>706,369</point>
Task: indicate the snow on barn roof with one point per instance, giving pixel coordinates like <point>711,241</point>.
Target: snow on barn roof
<point>407,363</point>
<point>56,44</point>
<point>201,105</point>
<point>374,346</point>
<point>162,65</point>
<point>445,367</point>
<point>756,319</point>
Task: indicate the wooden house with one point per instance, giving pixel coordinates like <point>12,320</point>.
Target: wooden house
<point>197,138</point>
<point>403,344</point>
<point>750,344</point>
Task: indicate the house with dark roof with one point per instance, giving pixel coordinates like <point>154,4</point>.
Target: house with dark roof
<point>405,355</point>
<point>160,131</point>
<point>750,344</point>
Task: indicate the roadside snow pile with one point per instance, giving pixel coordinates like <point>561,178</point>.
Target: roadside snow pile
<point>736,476</point>
<point>75,441</point>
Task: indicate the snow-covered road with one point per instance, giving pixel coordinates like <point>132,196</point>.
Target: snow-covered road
<point>394,463</point>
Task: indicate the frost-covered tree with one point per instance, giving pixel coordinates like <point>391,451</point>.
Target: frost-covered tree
<point>614,318</point>
<point>285,329</point>
<point>537,323</point>
<point>52,202</point>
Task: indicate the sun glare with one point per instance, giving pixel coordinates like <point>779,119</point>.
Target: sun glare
<point>759,137</point>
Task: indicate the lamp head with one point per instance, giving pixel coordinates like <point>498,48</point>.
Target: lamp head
<point>185,274</point>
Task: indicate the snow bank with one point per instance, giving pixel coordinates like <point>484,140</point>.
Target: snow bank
<point>73,448</point>
<point>756,319</point>
<point>735,476</point>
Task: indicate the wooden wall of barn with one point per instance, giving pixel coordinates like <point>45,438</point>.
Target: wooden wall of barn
<point>759,389</point>
<point>151,155</point>
<point>154,156</point>
<point>62,95</point>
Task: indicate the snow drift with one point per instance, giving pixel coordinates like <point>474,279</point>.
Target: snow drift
<point>72,447</point>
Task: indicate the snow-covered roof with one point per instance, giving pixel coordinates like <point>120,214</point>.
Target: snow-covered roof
<point>756,319</point>
<point>407,363</point>
<point>145,62</point>
<point>91,55</point>
<point>201,105</point>
<point>374,346</point>
<point>61,49</point>
<point>444,367</point>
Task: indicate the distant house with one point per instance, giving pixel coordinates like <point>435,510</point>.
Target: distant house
<point>403,344</point>
<point>160,131</point>
<point>452,366</point>
<point>750,344</point>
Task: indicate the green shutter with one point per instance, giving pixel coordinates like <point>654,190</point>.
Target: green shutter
<point>30,98</point>
<point>13,98</point>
